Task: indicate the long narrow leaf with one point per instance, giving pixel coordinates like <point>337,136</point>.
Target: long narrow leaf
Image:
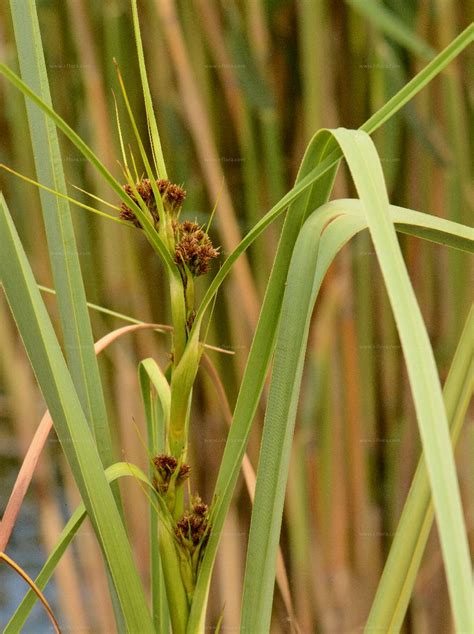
<point>304,281</point>
<point>301,292</point>
<point>156,396</point>
<point>406,552</point>
<point>65,265</point>
<point>366,170</point>
<point>70,423</point>
<point>257,364</point>
<point>262,345</point>
<point>393,26</point>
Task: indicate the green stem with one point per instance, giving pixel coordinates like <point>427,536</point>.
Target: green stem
<point>178,315</point>
<point>182,381</point>
<point>176,593</point>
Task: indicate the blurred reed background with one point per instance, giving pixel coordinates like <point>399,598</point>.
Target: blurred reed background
<point>239,88</point>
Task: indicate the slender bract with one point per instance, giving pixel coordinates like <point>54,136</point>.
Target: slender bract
<point>150,115</point>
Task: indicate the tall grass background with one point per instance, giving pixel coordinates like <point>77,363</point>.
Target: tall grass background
<point>239,89</point>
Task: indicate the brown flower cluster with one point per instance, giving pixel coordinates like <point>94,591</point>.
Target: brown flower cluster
<point>192,530</point>
<point>193,248</point>
<point>166,466</point>
<point>172,196</point>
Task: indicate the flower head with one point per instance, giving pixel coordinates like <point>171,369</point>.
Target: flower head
<point>165,467</point>
<point>194,248</point>
<point>192,529</point>
<point>172,197</point>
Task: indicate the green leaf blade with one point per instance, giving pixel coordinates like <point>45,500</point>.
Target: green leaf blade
<point>70,423</point>
<point>74,317</point>
<point>366,170</point>
<point>303,283</point>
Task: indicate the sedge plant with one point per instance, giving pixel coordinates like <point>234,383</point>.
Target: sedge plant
<point>184,529</point>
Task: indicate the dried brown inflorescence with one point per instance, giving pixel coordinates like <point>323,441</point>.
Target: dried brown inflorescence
<point>193,248</point>
<point>199,507</point>
<point>166,466</point>
<point>172,196</point>
<point>192,530</point>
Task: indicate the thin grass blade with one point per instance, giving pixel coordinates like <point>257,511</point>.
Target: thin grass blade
<point>70,423</point>
<point>156,396</point>
<point>150,114</point>
<point>396,584</point>
<point>390,24</point>
<point>74,317</point>
<point>365,167</point>
<point>300,294</point>
<point>257,364</point>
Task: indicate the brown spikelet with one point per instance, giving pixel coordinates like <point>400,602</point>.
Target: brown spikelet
<point>193,248</point>
<point>165,466</point>
<point>165,463</point>
<point>184,472</point>
<point>127,214</point>
<point>191,530</point>
<point>199,507</point>
<point>172,196</point>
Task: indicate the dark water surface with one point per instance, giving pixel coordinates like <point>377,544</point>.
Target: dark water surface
<point>25,549</point>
